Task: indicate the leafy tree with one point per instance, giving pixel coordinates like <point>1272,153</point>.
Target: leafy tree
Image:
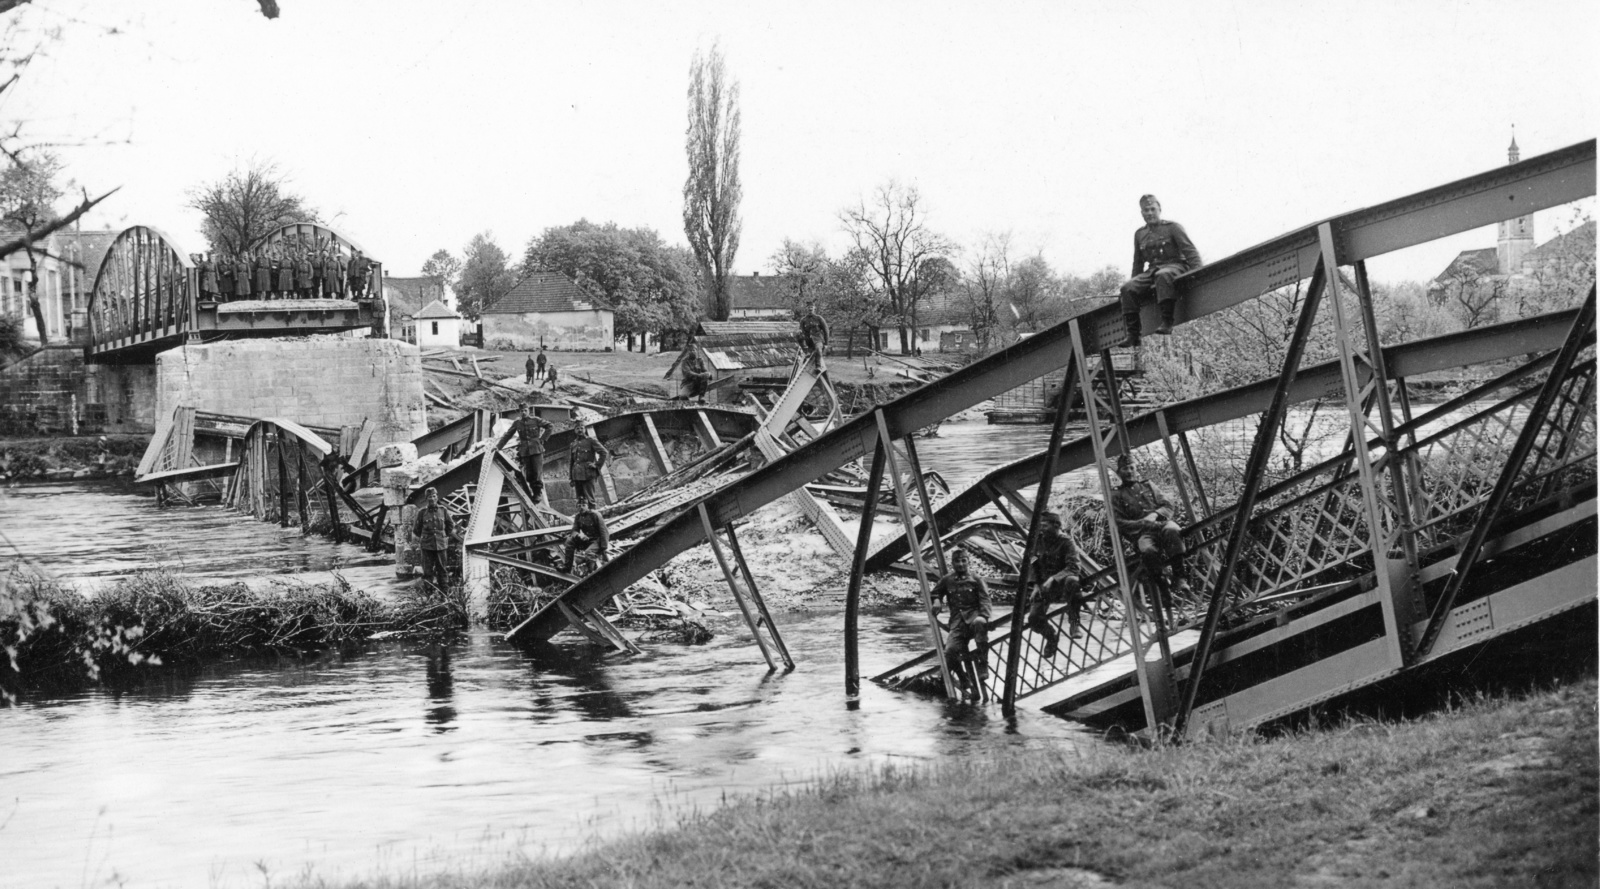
<point>486,274</point>
<point>1036,295</point>
<point>892,237</point>
<point>803,268</point>
<point>847,299</point>
<point>712,192</point>
<point>443,268</point>
<point>28,195</point>
<point>651,286</point>
<point>246,205</point>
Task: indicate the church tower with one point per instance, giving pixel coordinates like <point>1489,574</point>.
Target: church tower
<point>1516,235</point>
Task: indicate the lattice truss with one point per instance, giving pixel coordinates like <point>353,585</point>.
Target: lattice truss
<point>1308,533</point>
<point>141,285</point>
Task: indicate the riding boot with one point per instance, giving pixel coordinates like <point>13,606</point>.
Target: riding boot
<point>1167,310</point>
<point>1130,320</point>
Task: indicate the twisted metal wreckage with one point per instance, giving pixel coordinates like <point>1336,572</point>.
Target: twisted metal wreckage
<point>1429,532</point>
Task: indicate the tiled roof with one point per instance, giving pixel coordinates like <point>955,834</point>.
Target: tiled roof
<point>436,309</point>
<point>761,292</point>
<point>404,295</point>
<point>545,292</point>
<point>790,329</point>
<point>1483,261</point>
<point>740,345</point>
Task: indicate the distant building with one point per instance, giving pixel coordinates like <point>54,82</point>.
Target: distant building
<point>761,297</point>
<point>403,299</point>
<point>551,310</point>
<point>937,316</point>
<point>438,326</point>
<point>1515,268</point>
<point>65,283</point>
<point>743,350</point>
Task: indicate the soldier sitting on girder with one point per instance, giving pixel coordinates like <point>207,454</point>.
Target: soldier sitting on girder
<point>696,379</point>
<point>1161,252</point>
<point>588,529</point>
<point>1144,517</point>
<point>1055,576</point>
<point>970,610</point>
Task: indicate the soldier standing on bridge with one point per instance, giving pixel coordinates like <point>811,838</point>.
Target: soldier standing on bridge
<point>1161,252</point>
<point>1055,573</point>
<point>970,610</point>
<point>305,280</point>
<point>531,431</point>
<point>224,266</point>
<point>283,272</point>
<point>262,269</point>
<point>241,276</point>
<point>584,462</point>
<point>539,361</point>
<point>1144,517</point>
<point>207,275</point>
<point>588,529</point>
<point>550,376</point>
<point>813,334</point>
<point>434,529</point>
<point>333,274</point>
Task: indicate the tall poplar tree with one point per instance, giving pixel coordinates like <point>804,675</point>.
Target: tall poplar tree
<point>711,193</point>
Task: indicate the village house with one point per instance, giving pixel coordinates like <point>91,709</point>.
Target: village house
<point>551,310</point>
<point>438,326</point>
<point>741,352</point>
<point>761,297</point>
<point>67,270</point>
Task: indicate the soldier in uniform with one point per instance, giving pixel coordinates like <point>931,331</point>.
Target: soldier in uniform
<point>241,276</point>
<point>1161,252</point>
<point>305,278</point>
<point>434,529</point>
<point>1055,573</point>
<point>531,369</point>
<point>1144,517</point>
<point>319,271</point>
<point>539,361</point>
<point>360,268</point>
<point>588,529</point>
<point>696,379</point>
<point>333,274</point>
<point>813,333</point>
<point>970,610</point>
<point>531,431</point>
<point>283,271</point>
<point>550,376</point>
<point>224,265</point>
<point>584,462</point>
<point>261,272</point>
<point>207,273</point>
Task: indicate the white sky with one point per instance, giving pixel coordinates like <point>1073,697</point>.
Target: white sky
<point>414,125</point>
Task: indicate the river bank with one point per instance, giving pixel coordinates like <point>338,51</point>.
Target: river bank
<point>59,457</point>
<point>1490,792</point>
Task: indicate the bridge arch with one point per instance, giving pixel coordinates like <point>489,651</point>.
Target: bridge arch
<point>311,233</point>
<point>143,290</point>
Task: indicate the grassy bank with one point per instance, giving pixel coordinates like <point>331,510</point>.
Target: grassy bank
<point>1490,792</point>
<point>83,456</point>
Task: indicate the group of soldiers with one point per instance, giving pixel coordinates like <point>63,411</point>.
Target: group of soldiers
<point>541,371</point>
<point>285,270</point>
<point>1144,517</point>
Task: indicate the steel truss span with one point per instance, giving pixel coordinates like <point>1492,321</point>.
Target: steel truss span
<point>1374,501</point>
<point>146,299</point>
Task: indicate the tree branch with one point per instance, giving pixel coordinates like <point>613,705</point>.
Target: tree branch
<point>77,212</point>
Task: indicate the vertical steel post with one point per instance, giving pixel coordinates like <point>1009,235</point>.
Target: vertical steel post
<point>733,584</point>
<point>1194,472</point>
<point>283,484</point>
<point>1582,326</point>
<point>1155,686</point>
<point>852,595</point>
<point>1255,468</point>
<point>887,441</point>
<point>915,465</point>
<point>1041,502</point>
<point>1394,592</point>
<point>755,595</point>
<point>1190,515</point>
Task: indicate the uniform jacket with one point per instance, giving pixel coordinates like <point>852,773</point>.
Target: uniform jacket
<point>531,432</point>
<point>1164,243</point>
<point>590,524</point>
<point>586,458</point>
<point>967,595</point>
<point>1135,500</point>
<point>433,528</point>
<point>815,327</point>
<point>1056,553</point>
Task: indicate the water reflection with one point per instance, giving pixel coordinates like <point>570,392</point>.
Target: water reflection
<point>440,684</point>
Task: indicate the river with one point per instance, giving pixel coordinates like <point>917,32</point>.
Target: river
<point>408,758</point>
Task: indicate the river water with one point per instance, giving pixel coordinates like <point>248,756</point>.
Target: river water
<point>407,758</point>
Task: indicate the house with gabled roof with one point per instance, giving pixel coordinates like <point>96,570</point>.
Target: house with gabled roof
<point>761,297</point>
<point>549,309</point>
<point>438,326</point>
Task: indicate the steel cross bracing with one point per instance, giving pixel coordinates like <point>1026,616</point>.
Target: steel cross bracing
<point>1505,192</point>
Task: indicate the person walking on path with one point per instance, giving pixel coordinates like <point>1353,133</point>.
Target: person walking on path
<point>531,431</point>
<point>539,361</point>
<point>550,377</point>
<point>588,529</point>
<point>970,610</point>
<point>532,371</point>
<point>584,462</point>
<point>1161,252</point>
<point>434,529</point>
<point>1056,580</point>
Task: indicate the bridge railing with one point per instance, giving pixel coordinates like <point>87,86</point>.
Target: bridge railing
<point>1308,537</point>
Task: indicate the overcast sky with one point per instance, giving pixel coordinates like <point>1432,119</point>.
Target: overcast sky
<point>414,125</point>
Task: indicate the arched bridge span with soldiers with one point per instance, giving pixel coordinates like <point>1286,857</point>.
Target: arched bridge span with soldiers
<point>1362,567</point>
<point>149,295</point>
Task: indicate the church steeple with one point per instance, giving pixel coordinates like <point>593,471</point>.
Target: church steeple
<point>1516,235</point>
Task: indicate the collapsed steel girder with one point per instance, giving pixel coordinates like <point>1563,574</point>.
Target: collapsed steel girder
<point>1541,182</point>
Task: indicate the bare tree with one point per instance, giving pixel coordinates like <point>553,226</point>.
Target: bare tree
<point>1473,294</point>
<point>891,235</point>
<point>983,291</point>
<point>246,205</point>
<point>712,192</point>
<point>803,268</point>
